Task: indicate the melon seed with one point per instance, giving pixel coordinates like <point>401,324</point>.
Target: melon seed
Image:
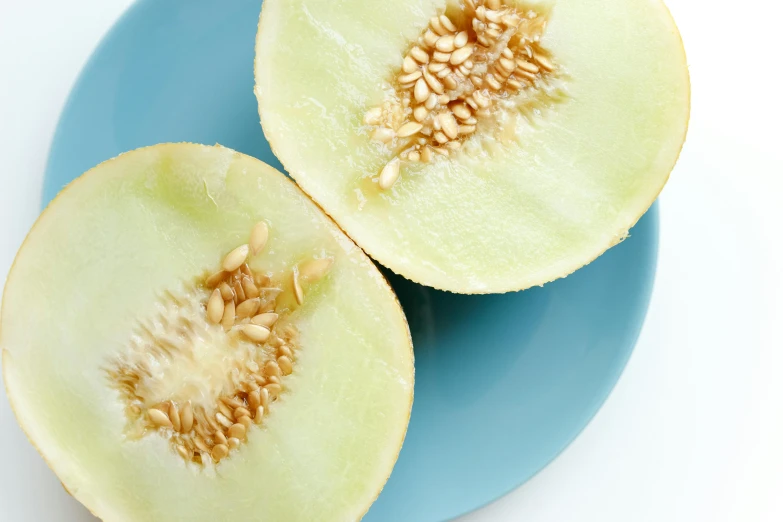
<point>220,451</point>
<point>250,288</point>
<point>237,431</point>
<point>232,402</point>
<point>298,294</point>
<point>216,278</point>
<point>225,410</point>
<point>285,365</point>
<point>273,389</point>
<point>200,444</point>
<point>215,307</point>
<point>258,237</point>
<point>220,438</point>
<point>159,418</point>
<point>255,332</point>
<point>186,418</point>
<point>285,351</point>
<point>245,421</point>
<point>388,177</point>
<point>315,269</point>
<point>183,452</point>
<point>264,396</point>
<point>226,292</point>
<point>176,422</point>
<point>223,420</point>
<point>235,258</point>
<point>247,308</point>
<point>271,369</point>
<point>266,319</point>
<point>239,292</point>
<point>254,399</point>
<point>229,315</point>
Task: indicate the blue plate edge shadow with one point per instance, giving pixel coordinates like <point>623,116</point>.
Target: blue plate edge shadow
<point>652,212</point>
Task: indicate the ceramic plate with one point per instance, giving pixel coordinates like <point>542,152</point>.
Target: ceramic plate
<point>503,382</point>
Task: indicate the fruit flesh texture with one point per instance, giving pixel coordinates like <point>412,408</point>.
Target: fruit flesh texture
<point>528,204</point>
<point>95,263</point>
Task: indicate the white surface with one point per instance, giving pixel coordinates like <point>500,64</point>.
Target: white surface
<point>694,429</point>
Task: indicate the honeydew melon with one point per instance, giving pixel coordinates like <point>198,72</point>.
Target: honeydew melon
<point>149,404</point>
<point>557,158</point>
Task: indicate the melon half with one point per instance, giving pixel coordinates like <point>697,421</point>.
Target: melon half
<point>186,336</point>
<point>475,145</point>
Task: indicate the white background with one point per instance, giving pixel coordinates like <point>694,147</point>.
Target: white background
<point>694,429</point>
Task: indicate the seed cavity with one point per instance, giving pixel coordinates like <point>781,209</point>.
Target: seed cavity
<point>467,64</point>
<point>212,361</point>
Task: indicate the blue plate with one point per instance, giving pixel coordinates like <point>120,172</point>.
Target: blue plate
<point>503,382</point>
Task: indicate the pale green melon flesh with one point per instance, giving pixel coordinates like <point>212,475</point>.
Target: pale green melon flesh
<point>96,262</point>
<point>500,216</point>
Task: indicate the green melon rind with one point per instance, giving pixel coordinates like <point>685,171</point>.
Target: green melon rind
<point>452,225</point>
<point>114,484</point>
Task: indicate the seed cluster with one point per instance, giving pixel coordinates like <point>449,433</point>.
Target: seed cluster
<point>454,74</point>
<point>243,304</point>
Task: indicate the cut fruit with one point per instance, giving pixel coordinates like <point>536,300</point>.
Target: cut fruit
<point>186,336</point>
<point>475,146</point>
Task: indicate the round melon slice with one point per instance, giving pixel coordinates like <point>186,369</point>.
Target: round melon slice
<point>475,145</point>
<point>186,336</point>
